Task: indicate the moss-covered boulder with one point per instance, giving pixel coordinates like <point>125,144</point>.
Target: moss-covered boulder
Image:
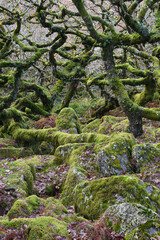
<point>91,199</point>
<point>107,125</point>
<point>40,228</point>
<point>54,207</point>
<point>144,153</point>
<point>115,157</point>
<point>93,126</point>
<point>75,175</point>
<point>67,120</point>
<point>35,205</point>
<point>128,217</point>
<point>147,231</point>
<point>17,176</point>
<point>111,124</point>
<point>10,152</point>
<point>10,149</point>
<point>83,165</point>
<point>63,152</point>
<point>25,207</point>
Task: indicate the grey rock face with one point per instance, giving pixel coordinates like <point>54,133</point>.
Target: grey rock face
<point>131,218</point>
<point>114,158</point>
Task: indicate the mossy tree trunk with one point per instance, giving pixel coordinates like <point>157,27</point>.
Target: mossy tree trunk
<point>133,114</point>
<point>72,88</point>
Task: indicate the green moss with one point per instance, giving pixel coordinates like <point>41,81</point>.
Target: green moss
<point>27,206</point>
<point>24,207</point>
<point>111,124</point>
<point>39,228</point>
<point>92,198</point>
<point>18,176</point>
<point>24,172</point>
<point>81,106</point>
<point>9,152</point>
<point>55,138</point>
<point>125,138</point>
<point>75,175</point>
<point>92,126</point>
<point>37,160</point>
<point>63,153</point>
<point>54,207</point>
<point>144,153</point>
<point>68,120</point>
<point>147,94</point>
<point>4,142</point>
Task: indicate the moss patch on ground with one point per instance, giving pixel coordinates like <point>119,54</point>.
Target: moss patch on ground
<point>38,228</point>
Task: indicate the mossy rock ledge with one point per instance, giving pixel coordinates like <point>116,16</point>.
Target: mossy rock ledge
<point>92,198</point>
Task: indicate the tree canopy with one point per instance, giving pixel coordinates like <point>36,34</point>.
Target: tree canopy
<point>46,47</point>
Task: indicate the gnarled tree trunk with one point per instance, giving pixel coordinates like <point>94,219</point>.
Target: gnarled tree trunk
<point>130,108</point>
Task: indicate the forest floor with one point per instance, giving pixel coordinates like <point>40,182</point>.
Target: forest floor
<point>46,176</point>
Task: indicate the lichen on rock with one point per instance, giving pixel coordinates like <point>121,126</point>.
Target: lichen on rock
<point>126,217</point>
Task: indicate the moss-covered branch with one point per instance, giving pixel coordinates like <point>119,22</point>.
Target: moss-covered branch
<point>141,29</point>
<point>41,93</point>
<point>88,20</point>
<point>11,113</point>
<point>129,106</point>
<point>32,136</point>
<point>7,101</point>
<point>148,4</point>
<point>24,102</point>
<point>133,70</point>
